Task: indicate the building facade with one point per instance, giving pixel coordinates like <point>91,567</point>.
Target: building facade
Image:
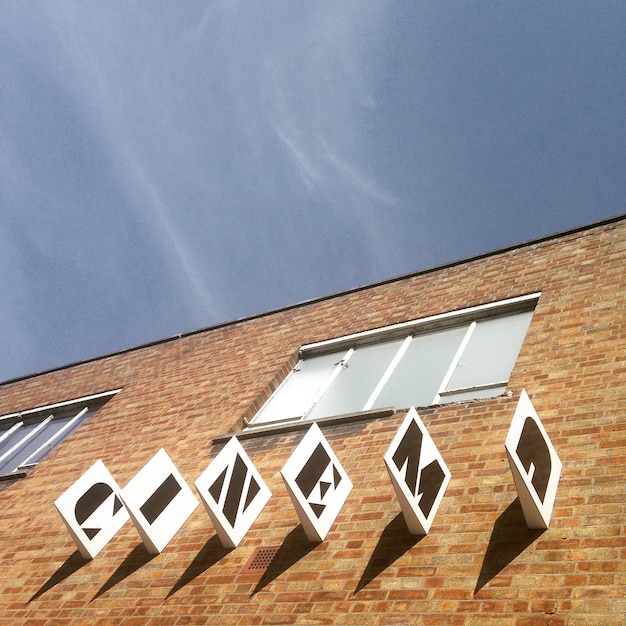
<point>459,342</point>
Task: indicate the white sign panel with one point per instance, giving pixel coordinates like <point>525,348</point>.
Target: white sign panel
<point>233,493</point>
<point>92,510</point>
<point>317,484</point>
<point>159,501</point>
<point>535,465</point>
<point>418,473</point>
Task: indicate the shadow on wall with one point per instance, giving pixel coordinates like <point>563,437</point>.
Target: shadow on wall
<point>137,558</point>
<point>509,538</point>
<point>133,562</point>
<point>294,547</point>
<point>210,554</point>
<point>73,563</point>
<point>394,541</point>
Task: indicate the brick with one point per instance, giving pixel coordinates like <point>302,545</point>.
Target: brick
<point>471,569</point>
<point>605,619</point>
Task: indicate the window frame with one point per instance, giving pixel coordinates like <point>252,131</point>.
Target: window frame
<point>41,417</point>
<point>406,331</point>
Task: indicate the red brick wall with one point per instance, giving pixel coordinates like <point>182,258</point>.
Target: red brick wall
<point>478,565</point>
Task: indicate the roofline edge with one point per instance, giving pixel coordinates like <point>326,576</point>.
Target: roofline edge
<point>428,270</point>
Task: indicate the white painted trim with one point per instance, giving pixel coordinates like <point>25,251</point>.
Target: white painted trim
<point>424,324</point>
<point>329,381</point>
<point>388,372</point>
<point>54,437</point>
<point>25,439</point>
<point>11,430</point>
<point>59,405</point>
<point>454,363</point>
<point>450,392</point>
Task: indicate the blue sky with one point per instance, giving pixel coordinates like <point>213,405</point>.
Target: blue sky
<point>166,166</point>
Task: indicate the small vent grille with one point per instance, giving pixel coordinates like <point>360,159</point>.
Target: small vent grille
<point>260,559</point>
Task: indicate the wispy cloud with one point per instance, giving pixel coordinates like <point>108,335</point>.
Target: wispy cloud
<point>318,96</point>
<point>363,184</point>
<point>98,74</point>
<point>169,168</point>
<point>309,171</point>
<point>146,194</point>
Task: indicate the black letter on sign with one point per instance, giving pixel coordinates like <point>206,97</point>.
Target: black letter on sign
<point>310,477</point>
<point>431,478</point>
<point>430,483</point>
<point>89,502</point>
<point>235,490</point>
<point>156,503</point>
<point>409,452</point>
<point>534,454</point>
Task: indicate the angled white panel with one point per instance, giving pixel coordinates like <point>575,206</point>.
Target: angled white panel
<point>92,510</point>
<point>418,473</point>
<point>317,484</point>
<point>535,465</point>
<point>233,493</point>
<point>159,501</point>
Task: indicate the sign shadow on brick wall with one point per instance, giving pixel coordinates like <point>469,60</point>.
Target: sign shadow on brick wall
<point>509,538</point>
<point>211,553</point>
<point>72,564</point>
<point>394,541</point>
<point>295,547</point>
<point>138,557</point>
